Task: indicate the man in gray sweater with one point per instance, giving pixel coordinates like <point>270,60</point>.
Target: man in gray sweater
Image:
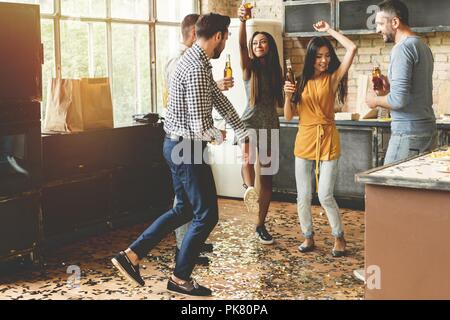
<point>408,91</point>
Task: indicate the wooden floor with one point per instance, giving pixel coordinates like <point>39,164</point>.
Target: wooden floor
<point>241,267</point>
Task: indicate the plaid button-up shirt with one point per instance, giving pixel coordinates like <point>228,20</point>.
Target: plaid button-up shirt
<point>192,95</point>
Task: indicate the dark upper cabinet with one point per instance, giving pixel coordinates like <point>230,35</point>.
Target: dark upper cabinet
<point>300,15</point>
<point>21,53</point>
<point>358,16</point>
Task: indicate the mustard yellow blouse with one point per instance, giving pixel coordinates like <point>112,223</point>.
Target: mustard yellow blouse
<point>317,137</point>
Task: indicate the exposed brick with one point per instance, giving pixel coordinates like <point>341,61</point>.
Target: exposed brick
<point>435,41</point>
<point>443,75</point>
<point>364,43</point>
<point>441,49</point>
<point>341,51</point>
<point>378,59</point>
<point>288,44</point>
<point>364,66</point>
<point>386,50</point>
<point>369,51</point>
<point>364,59</point>
<point>300,43</point>
<point>378,43</point>
<point>439,66</point>
<point>440,57</point>
<point>298,52</point>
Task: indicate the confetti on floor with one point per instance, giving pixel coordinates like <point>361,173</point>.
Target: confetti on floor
<point>240,267</point>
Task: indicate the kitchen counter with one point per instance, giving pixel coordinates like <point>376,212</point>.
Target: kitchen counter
<point>407,223</point>
<point>441,124</point>
<point>421,172</point>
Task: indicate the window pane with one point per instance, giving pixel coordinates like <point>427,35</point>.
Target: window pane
<point>173,10</point>
<point>46,5</point>
<point>130,9</point>
<point>99,64</point>
<point>84,8</point>
<point>78,58</point>
<point>131,71</point>
<point>48,69</point>
<point>167,43</point>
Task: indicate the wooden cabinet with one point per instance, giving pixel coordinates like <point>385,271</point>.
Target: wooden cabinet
<point>20,217</point>
<point>95,177</point>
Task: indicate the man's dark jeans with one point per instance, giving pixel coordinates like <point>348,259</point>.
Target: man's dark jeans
<point>195,190</point>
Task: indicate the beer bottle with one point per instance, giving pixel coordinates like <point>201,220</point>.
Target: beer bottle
<point>228,72</point>
<point>378,85</point>
<point>290,76</point>
<point>376,79</point>
<point>248,8</point>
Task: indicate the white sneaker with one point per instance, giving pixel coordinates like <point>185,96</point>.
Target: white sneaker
<point>251,200</point>
<point>13,163</point>
<point>360,274</point>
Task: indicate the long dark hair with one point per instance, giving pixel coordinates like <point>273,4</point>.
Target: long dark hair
<point>272,62</point>
<point>308,71</point>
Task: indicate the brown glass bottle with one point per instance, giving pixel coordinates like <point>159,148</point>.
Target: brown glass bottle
<point>290,76</point>
<point>248,9</point>
<point>376,79</point>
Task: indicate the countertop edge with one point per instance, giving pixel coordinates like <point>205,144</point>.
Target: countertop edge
<point>366,178</point>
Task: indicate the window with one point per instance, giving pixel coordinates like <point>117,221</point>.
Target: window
<point>174,10</point>
<point>134,9</point>
<point>167,42</point>
<point>46,5</point>
<point>131,70</point>
<point>128,41</point>
<point>168,35</point>
<point>83,8</point>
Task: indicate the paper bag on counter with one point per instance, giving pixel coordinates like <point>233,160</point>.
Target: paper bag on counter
<point>75,105</point>
<point>364,87</point>
<point>63,111</point>
<point>96,102</point>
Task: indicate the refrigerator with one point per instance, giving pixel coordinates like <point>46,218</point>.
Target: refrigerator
<point>225,159</point>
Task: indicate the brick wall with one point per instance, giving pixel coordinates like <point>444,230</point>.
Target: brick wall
<point>371,48</point>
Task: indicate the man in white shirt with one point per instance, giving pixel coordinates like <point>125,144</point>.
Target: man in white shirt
<point>189,38</point>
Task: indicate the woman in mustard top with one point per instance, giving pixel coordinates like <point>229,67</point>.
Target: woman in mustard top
<point>317,144</point>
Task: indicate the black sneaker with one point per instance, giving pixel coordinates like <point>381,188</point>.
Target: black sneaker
<point>207,248</point>
<point>127,269</point>
<point>191,288</point>
<point>201,261</point>
<point>263,235</point>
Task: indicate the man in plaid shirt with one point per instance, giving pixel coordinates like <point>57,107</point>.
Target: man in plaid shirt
<point>189,127</point>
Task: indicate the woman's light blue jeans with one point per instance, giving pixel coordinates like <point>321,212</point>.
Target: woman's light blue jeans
<point>327,180</point>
